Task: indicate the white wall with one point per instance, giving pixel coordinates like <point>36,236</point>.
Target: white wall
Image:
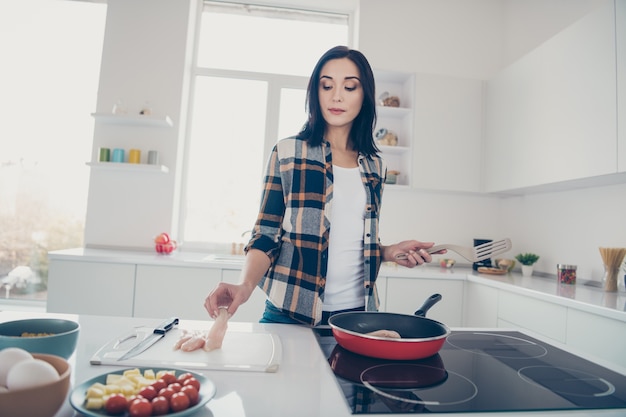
<point>568,226</point>
<point>475,39</point>
<point>145,58</point>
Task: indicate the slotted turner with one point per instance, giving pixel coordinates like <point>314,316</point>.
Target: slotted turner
<point>472,254</point>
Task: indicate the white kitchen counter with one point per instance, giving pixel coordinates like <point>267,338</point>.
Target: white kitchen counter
<point>580,296</point>
<point>176,258</point>
<point>303,386</point>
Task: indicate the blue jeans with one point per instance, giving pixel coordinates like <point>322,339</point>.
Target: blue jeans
<point>275,315</point>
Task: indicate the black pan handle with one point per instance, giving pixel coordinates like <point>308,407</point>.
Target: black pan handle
<point>430,301</point>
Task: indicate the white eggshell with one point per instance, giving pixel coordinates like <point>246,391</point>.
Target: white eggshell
<point>9,357</point>
<point>31,373</point>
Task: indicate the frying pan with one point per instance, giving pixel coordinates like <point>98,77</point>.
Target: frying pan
<point>420,337</point>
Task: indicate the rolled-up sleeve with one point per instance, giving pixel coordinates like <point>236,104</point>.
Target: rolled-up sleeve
<point>267,229</point>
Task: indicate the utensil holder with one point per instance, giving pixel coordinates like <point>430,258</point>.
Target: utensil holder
<point>610,278</point>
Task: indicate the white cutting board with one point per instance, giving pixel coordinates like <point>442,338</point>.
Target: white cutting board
<point>241,351</point>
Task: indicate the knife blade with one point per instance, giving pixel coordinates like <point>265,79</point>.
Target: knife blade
<point>157,334</point>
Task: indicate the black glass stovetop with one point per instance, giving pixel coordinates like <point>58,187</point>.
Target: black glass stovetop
<point>475,372</point>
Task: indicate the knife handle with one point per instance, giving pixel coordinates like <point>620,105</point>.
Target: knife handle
<point>166,325</point>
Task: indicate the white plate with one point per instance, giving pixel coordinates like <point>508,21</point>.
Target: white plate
<point>77,398</point>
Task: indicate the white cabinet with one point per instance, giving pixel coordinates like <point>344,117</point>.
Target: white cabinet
<point>381,286</point>
<point>543,317</point>
<point>164,291</point>
<point>251,310</point>
<point>481,306</point>
<point>447,149</point>
<point>406,295</point>
<point>99,288</point>
<point>620,28</point>
<point>551,116</point>
<point>397,120</point>
<point>596,335</point>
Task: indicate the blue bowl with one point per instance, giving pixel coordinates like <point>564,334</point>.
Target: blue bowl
<point>49,336</point>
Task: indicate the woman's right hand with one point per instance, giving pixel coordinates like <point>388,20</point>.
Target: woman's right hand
<point>229,296</point>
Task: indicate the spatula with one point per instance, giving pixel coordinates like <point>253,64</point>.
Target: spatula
<point>472,254</point>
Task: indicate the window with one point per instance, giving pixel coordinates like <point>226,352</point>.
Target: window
<point>51,55</point>
<point>250,81</point>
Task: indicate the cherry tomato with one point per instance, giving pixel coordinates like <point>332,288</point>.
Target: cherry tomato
<point>116,404</point>
<point>192,393</point>
<point>193,382</point>
<point>168,378</point>
<point>140,408</point>
<point>131,399</point>
<point>160,406</point>
<point>159,384</point>
<point>182,377</point>
<point>162,238</point>
<point>168,247</point>
<point>148,392</point>
<point>179,402</point>
<point>167,393</point>
<point>175,386</point>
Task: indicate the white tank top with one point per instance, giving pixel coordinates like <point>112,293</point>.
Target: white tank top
<point>344,280</point>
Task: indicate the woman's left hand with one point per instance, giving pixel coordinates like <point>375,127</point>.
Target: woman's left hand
<point>414,250</point>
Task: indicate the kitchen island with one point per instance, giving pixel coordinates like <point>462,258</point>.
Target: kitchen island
<point>304,384</point>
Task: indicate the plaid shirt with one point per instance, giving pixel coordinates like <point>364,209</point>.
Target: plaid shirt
<point>293,226</point>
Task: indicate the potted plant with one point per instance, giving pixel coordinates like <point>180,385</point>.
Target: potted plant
<point>527,260</point>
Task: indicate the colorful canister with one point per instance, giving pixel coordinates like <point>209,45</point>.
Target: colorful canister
<point>105,155</point>
<point>118,155</point>
<point>134,156</point>
<point>566,274</point>
<point>153,157</point>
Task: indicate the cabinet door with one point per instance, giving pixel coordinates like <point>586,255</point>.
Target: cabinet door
<point>406,295</point>
<point>620,28</point>
<point>481,306</point>
<point>163,291</point>
<point>90,288</point>
<point>381,286</point>
<point>599,336</point>
<point>251,310</point>
<point>543,317</point>
<point>551,116</point>
<point>447,150</point>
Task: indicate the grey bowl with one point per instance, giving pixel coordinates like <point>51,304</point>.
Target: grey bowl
<point>61,341</point>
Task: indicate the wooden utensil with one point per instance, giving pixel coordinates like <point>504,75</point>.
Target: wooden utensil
<point>472,254</point>
<point>612,258</point>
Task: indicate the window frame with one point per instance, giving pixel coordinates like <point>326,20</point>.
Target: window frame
<point>275,83</point>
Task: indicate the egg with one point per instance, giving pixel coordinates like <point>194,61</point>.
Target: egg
<point>9,357</point>
<point>31,373</point>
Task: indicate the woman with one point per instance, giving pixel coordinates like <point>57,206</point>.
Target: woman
<point>315,249</point>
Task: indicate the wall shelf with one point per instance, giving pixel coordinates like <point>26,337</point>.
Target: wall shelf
<point>394,149</point>
<point>124,166</point>
<point>136,120</point>
<point>386,111</point>
<point>398,120</point>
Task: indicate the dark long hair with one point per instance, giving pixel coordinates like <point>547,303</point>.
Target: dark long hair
<point>361,133</point>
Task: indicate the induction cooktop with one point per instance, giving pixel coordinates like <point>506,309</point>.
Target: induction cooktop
<point>475,371</point>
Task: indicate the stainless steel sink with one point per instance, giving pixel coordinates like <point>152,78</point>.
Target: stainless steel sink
<point>224,257</point>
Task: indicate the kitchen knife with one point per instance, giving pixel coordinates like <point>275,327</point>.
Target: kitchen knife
<point>157,334</point>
